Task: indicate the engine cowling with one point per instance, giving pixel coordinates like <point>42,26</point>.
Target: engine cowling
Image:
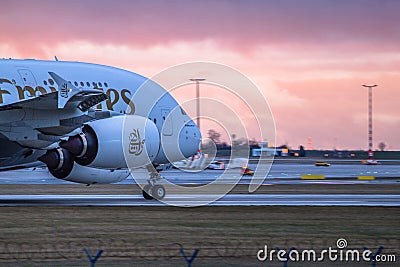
<point>61,165</point>
<point>104,143</point>
<point>87,175</point>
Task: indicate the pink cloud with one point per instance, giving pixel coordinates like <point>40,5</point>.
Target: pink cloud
<point>336,110</point>
<point>238,24</point>
<point>317,52</point>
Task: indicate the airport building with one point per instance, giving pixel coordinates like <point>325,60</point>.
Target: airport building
<point>267,149</point>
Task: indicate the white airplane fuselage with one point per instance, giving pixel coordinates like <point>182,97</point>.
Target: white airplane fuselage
<point>45,102</point>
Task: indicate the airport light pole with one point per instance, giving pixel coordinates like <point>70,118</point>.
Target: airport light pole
<point>197,81</point>
<point>370,145</point>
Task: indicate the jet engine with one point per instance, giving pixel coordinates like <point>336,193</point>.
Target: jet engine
<point>61,165</point>
<point>59,162</point>
<point>87,175</point>
<point>109,143</point>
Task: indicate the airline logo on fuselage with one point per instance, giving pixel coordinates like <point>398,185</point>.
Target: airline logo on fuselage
<point>136,143</point>
<point>115,96</point>
<point>64,90</point>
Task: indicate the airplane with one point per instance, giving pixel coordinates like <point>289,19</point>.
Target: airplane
<point>81,119</point>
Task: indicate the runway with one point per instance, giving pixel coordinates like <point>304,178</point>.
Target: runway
<point>279,173</point>
<point>190,200</point>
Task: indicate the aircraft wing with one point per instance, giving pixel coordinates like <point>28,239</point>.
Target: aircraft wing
<point>67,96</point>
<point>31,124</point>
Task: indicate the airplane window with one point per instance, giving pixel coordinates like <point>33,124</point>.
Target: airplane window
<point>105,84</point>
<point>82,84</point>
<point>45,82</point>
<point>183,112</point>
<point>51,82</point>
<point>76,83</point>
<point>88,84</point>
<point>94,84</point>
<point>155,121</point>
<point>100,85</point>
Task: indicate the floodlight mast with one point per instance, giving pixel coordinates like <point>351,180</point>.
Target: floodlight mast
<point>197,81</point>
<point>370,143</point>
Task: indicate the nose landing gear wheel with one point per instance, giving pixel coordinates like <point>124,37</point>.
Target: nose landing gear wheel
<point>158,192</point>
<point>154,192</point>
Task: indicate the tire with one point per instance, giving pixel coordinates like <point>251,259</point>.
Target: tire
<point>158,192</point>
<point>146,191</point>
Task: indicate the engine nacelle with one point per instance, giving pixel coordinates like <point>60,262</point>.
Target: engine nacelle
<point>61,165</point>
<point>87,175</point>
<point>105,143</point>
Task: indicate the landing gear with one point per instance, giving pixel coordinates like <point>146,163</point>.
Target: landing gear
<point>158,192</point>
<point>146,191</point>
<point>152,190</point>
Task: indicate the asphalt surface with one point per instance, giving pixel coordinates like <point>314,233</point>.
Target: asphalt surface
<point>280,173</point>
<point>190,200</point>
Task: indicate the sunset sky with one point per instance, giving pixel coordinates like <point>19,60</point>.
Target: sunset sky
<point>309,58</point>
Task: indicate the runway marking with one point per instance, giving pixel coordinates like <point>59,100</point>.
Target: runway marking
<point>366,177</point>
<point>313,176</point>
